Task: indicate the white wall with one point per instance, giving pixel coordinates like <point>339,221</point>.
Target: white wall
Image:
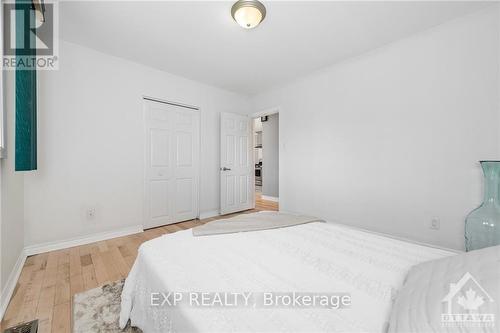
<point>270,156</point>
<point>11,191</point>
<point>391,139</point>
<point>90,143</point>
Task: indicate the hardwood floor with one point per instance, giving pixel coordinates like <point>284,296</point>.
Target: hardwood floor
<point>48,281</point>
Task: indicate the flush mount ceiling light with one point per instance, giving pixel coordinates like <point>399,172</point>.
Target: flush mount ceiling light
<point>248,13</point>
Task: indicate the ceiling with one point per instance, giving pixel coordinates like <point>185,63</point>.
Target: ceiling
<point>199,40</point>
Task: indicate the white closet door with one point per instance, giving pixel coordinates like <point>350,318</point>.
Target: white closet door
<point>172,163</point>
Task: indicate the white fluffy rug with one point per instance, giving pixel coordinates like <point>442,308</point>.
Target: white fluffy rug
<point>98,310</point>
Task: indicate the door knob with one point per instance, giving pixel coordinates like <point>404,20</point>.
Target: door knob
<point>225,169</point>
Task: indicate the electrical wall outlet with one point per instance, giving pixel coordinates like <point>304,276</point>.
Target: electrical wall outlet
<point>91,213</point>
<point>435,223</point>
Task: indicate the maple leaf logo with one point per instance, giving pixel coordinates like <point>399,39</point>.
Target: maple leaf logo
<point>471,301</point>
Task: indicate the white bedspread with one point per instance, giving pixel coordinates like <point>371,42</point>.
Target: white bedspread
<point>314,257</point>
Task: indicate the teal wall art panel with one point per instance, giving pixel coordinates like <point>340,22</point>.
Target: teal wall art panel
<point>26,91</point>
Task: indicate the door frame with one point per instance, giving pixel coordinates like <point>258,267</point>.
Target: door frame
<point>265,112</point>
<point>268,112</point>
<point>144,99</point>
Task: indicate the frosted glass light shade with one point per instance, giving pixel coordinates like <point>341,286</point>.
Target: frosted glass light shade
<point>248,17</point>
<point>248,13</point>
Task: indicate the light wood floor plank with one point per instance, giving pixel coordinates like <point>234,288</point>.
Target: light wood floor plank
<point>112,270</point>
<point>89,277</point>
<point>101,273</point>
<point>61,320</point>
<point>51,270</point>
<point>62,279</point>
<point>75,268</point>
<point>76,284</point>
<point>45,308</point>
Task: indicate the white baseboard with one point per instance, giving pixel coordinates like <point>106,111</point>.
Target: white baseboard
<point>210,214</point>
<point>10,285</point>
<point>76,241</point>
<point>268,198</point>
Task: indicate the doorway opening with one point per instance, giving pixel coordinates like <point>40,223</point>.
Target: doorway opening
<point>266,159</point>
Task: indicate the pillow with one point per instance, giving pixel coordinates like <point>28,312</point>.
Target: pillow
<point>455,294</point>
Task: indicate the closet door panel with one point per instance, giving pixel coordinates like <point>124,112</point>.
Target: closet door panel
<point>187,164</point>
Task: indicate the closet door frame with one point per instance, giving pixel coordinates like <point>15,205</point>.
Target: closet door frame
<point>145,100</point>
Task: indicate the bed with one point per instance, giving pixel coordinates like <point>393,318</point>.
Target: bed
<point>312,257</point>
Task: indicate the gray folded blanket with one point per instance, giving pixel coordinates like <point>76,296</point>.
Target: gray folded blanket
<point>253,222</point>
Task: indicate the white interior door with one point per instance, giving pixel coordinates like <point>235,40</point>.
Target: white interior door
<point>237,188</point>
<point>172,163</point>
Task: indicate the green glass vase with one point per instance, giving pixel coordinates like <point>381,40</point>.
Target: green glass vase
<point>482,225</point>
